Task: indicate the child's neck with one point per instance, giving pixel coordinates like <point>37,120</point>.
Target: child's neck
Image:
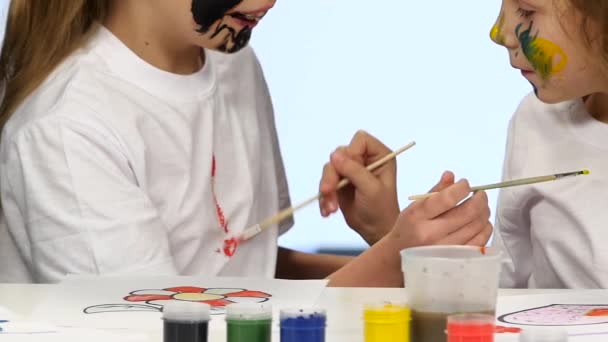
<point>597,106</point>
<point>141,32</point>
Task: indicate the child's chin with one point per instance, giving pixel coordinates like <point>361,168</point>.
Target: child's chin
<point>549,97</point>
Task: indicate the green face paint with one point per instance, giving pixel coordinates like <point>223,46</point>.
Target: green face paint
<point>546,57</point>
<point>496,33</point>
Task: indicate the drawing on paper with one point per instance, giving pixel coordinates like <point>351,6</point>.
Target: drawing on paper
<point>154,299</point>
<point>559,315</point>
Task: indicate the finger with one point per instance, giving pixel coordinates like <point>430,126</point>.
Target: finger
<point>473,209</point>
<point>358,175</point>
<point>466,233</point>
<point>328,202</point>
<point>366,149</point>
<point>365,144</point>
<point>483,237</point>
<point>447,179</point>
<point>445,200</point>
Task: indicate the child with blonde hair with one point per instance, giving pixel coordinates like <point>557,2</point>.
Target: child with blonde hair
<point>138,137</point>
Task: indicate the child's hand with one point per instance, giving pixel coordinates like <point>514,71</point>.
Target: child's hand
<point>369,204</point>
<point>441,220</point>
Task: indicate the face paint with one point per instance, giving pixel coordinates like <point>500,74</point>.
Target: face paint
<point>208,12</point>
<point>535,88</point>
<point>238,39</point>
<point>541,53</point>
<point>496,33</point>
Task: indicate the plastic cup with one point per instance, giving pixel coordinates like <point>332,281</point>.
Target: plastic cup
<point>446,280</point>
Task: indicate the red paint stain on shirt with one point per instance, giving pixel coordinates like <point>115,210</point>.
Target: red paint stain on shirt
<point>221,218</point>
<point>230,246</point>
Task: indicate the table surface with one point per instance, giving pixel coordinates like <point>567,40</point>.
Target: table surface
<point>343,326</point>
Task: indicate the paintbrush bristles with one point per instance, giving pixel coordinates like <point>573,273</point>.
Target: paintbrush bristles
<point>517,182</point>
<point>286,213</point>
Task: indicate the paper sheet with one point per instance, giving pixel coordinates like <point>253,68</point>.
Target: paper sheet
<point>67,334</point>
<point>584,314</point>
<point>135,303</point>
<point>14,328</point>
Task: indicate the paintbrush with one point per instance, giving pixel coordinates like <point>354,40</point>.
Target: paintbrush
<point>511,183</point>
<point>286,213</point>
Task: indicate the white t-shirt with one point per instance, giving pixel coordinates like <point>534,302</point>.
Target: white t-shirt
<point>107,169</point>
<point>555,233</point>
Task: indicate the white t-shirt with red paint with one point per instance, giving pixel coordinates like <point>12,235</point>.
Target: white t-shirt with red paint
<point>116,167</point>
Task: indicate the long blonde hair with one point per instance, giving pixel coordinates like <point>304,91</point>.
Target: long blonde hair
<point>39,35</point>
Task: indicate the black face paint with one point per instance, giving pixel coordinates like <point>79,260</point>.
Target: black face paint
<point>239,39</point>
<point>207,12</point>
<point>535,89</point>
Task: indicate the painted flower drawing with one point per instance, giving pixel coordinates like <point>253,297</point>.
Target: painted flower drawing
<point>217,298</point>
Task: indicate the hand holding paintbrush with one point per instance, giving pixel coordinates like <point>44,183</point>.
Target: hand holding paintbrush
<point>286,213</point>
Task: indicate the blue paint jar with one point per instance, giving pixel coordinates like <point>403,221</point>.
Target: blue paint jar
<point>303,325</point>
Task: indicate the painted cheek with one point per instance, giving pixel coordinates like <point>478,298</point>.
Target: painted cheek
<point>546,57</point>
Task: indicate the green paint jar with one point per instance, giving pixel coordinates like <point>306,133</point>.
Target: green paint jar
<point>249,322</point>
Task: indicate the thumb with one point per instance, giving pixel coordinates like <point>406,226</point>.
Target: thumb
<point>447,179</point>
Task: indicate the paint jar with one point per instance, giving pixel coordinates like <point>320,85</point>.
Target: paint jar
<point>545,334</point>
<point>185,321</point>
<point>303,325</point>
<point>249,322</point>
<point>445,280</point>
<point>386,322</point>
<point>470,328</point>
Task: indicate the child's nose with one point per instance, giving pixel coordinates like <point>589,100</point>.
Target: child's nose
<point>501,35</point>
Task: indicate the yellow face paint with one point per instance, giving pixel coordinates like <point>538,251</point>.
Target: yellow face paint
<point>496,33</point>
<point>546,57</point>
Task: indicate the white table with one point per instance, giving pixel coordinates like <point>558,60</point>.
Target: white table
<point>344,306</point>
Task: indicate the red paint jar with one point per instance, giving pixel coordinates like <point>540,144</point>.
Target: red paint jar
<point>470,328</point>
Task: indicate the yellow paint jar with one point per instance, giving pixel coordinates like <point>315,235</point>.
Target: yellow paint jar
<point>387,322</point>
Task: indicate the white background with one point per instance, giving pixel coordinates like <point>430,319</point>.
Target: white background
<point>402,70</point>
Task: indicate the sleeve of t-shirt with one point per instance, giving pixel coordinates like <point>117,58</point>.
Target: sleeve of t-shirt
<point>284,199</point>
<point>282,185</point>
<point>512,228</point>
<point>80,204</point>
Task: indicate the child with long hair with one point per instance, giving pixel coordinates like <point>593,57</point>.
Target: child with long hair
<point>138,137</point>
